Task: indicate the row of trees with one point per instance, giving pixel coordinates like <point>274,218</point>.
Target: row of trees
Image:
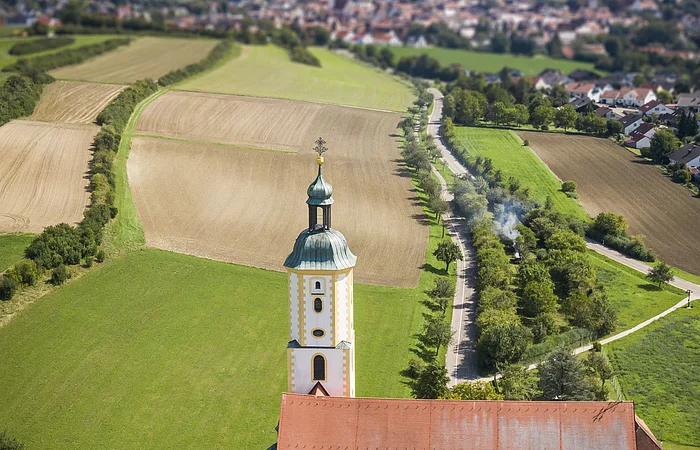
<point>288,39</point>
<point>215,55</point>
<point>64,57</point>
<point>40,45</point>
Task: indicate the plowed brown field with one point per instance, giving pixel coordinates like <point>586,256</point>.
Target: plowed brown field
<point>612,179</point>
<point>144,58</point>
<point>43,174</point>
<point>74,102</point>
<point>226,202</point>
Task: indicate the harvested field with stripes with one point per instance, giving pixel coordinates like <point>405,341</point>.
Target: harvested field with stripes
<point>612,179</point>
<point>74,101</point>
<point>225,199</point>
<point>147,57</point>
<point>43,174</point>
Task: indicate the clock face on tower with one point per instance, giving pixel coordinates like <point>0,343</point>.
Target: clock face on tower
<point>321,347</point>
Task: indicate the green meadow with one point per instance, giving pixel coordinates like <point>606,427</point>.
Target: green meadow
<point>266,71</point>
<point>493,62</point>
<point>12,248</point>
<point>658,369</point>
<point>508,154</point>
<point>630,293</point>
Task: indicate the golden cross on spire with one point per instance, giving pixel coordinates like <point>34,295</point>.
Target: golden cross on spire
<point>320,149</point>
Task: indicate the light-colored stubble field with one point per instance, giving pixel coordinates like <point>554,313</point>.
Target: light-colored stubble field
<point>74,101</point>
<point>147,57</point>
<point>43,177</point>
<point>227,200</point>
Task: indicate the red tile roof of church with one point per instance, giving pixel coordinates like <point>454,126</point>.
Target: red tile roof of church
<point>361,423</point>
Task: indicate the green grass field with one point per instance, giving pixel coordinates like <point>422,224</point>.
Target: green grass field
<point>493,62</point>
<point>658,369</point>
<point>508,154</point>
<point>266,71</point>
<point>634,298</point>
<point>12,248</point>
<point>179,351</point>
<point>6,44</point>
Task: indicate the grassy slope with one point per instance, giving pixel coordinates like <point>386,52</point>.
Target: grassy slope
<point>12,248</point>
<point>634,298</point>
<point>657,368</point>
<point>493,62</point>
<point>5,44</point>
<point>266,71</point>
<point>508,154</point>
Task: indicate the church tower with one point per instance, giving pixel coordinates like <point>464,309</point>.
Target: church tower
<point>321,352</point>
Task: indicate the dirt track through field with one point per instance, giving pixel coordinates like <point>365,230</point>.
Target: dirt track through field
<point>611,178</point>
<point>247,206</point>
<point>43,174</point>
<point>74,101</point>
<point>147,57</point>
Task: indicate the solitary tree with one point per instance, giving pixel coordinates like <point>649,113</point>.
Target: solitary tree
<point>431,382</point>
<point>565,117</point>
<point>443,288</point>
<point>660,273</point>
<point>437,332</point>
<point>447,252</point>
<point>563,377</point>
<point>517,383</point>
<point>599,366</point>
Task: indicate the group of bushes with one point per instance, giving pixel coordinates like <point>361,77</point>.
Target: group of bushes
<point>40,45</point>
<point>291,40</point>
<point>215,55</point>
<point>611,230</point>
<point>64,57</point>
<point>19,95</point>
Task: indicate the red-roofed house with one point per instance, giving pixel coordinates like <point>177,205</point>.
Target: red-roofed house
<point>636,96</point>
<point>641,137</point>
<point>382,423</point>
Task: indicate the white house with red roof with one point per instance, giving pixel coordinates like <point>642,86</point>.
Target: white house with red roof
<point>641,137</point>
<point>583,89</point>
<point>628,96</point>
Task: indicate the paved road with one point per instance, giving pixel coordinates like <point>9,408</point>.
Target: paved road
<point>461,353</point>
<point>457,168</point>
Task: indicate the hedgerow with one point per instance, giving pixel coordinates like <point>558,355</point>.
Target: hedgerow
<point>64,57</point>
<point>215,55</point>
<point>19,94</point>
<point>40,45</point>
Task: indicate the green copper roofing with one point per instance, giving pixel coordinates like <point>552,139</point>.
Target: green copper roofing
<point>320,250</point>
<point>320,192</point>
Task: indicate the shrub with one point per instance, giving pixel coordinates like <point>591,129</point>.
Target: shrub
<point>60,244</point>
<point>59,275</point>
<point>569,186</point>
<point>100,256</point>
<point>304,56</point>
<point>88,261</point>
<point>24,272</point>
<point>526,142</point>
<point>8,287</point>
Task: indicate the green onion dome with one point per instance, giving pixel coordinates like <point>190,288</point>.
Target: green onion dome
<point>320,250</point>
<point>320,192</point>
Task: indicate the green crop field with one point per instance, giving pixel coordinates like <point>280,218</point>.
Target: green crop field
<point>657,368</point>
<point>508,154</point>
<point>493,62</point>
<point>634,298</point>
<point>266,71</point>
<point>6,44</point>
<point>12,248</point>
